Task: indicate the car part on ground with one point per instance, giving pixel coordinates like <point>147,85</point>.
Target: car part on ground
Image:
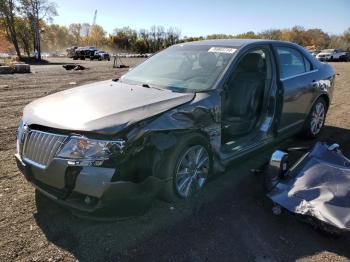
<point>75,67</point>
<point>317,186</point>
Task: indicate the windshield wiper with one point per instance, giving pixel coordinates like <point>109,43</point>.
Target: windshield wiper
<point>148,86</point>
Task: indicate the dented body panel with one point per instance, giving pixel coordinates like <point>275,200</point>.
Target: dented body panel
<point>105,107</point>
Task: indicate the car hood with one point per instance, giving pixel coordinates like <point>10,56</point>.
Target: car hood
<point>103,107</point>
<point>324,53</point>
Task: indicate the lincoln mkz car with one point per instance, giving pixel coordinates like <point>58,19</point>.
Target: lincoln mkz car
<point>171,122</point>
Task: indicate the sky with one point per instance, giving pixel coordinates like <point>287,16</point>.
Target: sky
<point>203,17</point>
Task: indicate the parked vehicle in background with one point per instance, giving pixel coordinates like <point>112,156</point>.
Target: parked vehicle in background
<point>162,129</point>
<point>102,55</point>
<point>346,58</point>
<point>314,53</point>
<point>71,51</point>
<point>88,52</point>
<point>331,55</point>
<point>82,53</point>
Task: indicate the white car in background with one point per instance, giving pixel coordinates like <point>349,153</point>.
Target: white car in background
<point>331,55</point>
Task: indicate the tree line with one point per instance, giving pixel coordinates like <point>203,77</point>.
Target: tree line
<point>313,38</point>
<point>26,27</point>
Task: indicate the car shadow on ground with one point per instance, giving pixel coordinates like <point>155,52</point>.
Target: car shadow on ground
<point>231,220</point>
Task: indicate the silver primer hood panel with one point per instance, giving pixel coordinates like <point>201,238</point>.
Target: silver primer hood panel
<point>318,186</point>
<point>105,107</point>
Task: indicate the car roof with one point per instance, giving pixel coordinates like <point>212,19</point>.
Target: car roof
<point>233,42</point>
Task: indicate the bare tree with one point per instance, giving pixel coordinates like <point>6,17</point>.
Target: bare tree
<point>85,29</point>
<point>36,11</point>
<point>160,35</point>
<point>76,31</point>
<point>173,35</point>
<point>153,35</point>
<point>7,15</point>
<point>144,35</point>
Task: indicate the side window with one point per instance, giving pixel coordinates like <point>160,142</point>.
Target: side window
<point>291,62</point>
<point>308,66</point>
<point>253,63</point>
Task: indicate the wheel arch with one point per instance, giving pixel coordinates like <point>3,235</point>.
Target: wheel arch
<point>326,99</point>
<point>147,152</point>
<point>324,96</point>
<point>161,143</point>
<point>166,140</point>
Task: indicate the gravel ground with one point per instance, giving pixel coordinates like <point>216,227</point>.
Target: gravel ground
<point>230,221</point>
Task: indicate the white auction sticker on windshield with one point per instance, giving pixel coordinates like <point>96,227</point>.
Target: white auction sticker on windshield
<point>227,50</point>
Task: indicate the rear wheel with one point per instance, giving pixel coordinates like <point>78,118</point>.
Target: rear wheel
<point>315,120</point>
<point>186,168</point>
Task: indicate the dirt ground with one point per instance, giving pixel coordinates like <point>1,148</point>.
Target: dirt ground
<point>231,220</point>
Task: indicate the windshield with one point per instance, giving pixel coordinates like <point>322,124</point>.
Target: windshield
<point>182,68</point>
<point>328,51</point>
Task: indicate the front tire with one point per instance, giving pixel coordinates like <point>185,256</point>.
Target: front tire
<point>316,119</point>
<point>185,168</point>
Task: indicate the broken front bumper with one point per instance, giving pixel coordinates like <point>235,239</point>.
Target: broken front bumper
<point>89,191</point>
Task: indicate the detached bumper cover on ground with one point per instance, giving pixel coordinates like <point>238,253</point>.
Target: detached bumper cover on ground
<point>317,186</point>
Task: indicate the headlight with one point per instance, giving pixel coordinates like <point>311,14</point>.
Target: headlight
<point>84,148</point>
<point>19,136</point>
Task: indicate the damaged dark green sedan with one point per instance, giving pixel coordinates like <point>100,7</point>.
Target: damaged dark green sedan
<point>169,123</point>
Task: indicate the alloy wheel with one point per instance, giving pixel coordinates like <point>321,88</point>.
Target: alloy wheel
<point>192,171</point>
<point>317,118</point>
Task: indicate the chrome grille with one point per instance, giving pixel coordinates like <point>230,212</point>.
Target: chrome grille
<point>40,147</point>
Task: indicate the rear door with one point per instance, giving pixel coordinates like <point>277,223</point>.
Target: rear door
<point>297,80</point>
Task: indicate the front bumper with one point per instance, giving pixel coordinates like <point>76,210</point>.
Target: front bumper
<point>89,191</point>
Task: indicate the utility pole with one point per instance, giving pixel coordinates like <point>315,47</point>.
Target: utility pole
<point>95,16</point>
<point>93,23</point>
